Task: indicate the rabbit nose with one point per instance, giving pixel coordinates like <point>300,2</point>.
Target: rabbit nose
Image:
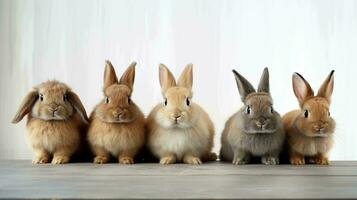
<point>118,113</point>
<point>320,126</point>
<point>176,115</point>
<point>262,122</point>
<point>53,108</point>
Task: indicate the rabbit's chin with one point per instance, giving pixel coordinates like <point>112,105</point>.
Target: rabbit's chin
<point>260,131</point>
<point>52,118</point>
<point>173,124</point>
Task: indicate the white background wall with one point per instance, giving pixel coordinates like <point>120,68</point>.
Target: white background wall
<point>69,40</point>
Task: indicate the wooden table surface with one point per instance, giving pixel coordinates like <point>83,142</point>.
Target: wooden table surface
<point>21,179</point>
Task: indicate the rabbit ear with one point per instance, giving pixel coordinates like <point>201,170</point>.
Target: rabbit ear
<point>110,77</point>
<point>302,88</point>
<point>129,76</point>
<point>25,106</point>
<point>244,87</point>
<point>78,106</point>
<point>264,82</point>
<point>167,80</point>
<point>186,77</point>
<point>326,88</point>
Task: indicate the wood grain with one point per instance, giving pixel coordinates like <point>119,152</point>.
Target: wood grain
<point>21,179</point>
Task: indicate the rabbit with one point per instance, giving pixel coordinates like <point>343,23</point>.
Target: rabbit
<point>310,129</point>
<point>256,130</point>
<point>179,130</point>
<point>117,125</point>
<point>55,123</point>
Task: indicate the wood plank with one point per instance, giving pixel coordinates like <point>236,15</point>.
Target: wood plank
<point>20,179</point>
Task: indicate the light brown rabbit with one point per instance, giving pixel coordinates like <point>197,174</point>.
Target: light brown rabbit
<point>117,126</point>
<point>56,118</point>
<point>310,129</point>
<point>178,129</point>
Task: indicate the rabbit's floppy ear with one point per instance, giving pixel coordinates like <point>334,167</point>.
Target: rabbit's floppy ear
<point>167,80</point>
<point>78,106</point>
<point>186,77</point>
<point>25,106</point>
<point>264,82</point>
<point>302,88</point>
<point>110,77</point>
<point>129,76</point>
<point>326,88</point>
<point>244,87</point>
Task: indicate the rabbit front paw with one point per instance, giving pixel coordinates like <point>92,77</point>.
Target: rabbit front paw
<point>100,160</point>
<point>240,161</point>
<point>126,160</point>
<point>41,160</point>
<point>321,160</point>
<point>167,160</point>
<point>270,160</point>
<point>192,160</point>
<point>60,159</point>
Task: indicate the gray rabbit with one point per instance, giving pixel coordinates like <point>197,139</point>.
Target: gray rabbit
<point>256,129</point>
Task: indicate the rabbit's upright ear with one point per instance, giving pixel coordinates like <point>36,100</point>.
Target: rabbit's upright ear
<point>244,87</point>
<point>77,104</point>
<point>129,76</point>
<point>186,77</point>
<point>326,88</point>
<point>264,82</point>
<point>110,77</point>
<point>302,88</point>
<point>25,106</point>
<point>167,80</point>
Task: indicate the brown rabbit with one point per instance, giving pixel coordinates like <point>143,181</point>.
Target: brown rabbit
<point>56,118</point>
<point>117,126</point>
<point>310,129</point>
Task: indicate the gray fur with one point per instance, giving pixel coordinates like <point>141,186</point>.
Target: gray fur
<point>242,138</point>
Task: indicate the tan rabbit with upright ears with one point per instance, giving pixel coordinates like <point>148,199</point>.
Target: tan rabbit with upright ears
<point>56,120</point>
<point>310,129</point>
<point>178,129</point>
<point>117,125</point>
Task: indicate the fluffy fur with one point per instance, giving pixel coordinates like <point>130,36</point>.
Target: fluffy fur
<point>117,126</point>
<point>256,129</point>
<point>310,129</point>
<point>56,119</point>
<point>178,129</point>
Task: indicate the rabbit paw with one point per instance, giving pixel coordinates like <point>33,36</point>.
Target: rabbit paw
<point>297,161</point>
<point>270,160</point>
<point>100,160</point>
<point>126,160</point>
<point>321,161</point>
<point>240,161</point>
<point>193,160</point>
<point>40,160</point>
<point>167,160</point>
<point>60,159</point>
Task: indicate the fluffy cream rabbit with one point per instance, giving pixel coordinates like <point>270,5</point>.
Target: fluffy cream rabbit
<point>178,129</point>
<point>117,126</point>
<point>56,120</point>
<point>310,129</point>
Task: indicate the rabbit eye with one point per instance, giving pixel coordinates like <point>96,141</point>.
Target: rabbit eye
<point>41,97</point>
<point>106,100</point>
<point>271,109</point>
<point>64,97</point>
<point>306,114</point>
<point>129,100</point>
<point>329,114</point>
<point>188,102</point>
<point>247,110</point>
<point>165,102</point>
